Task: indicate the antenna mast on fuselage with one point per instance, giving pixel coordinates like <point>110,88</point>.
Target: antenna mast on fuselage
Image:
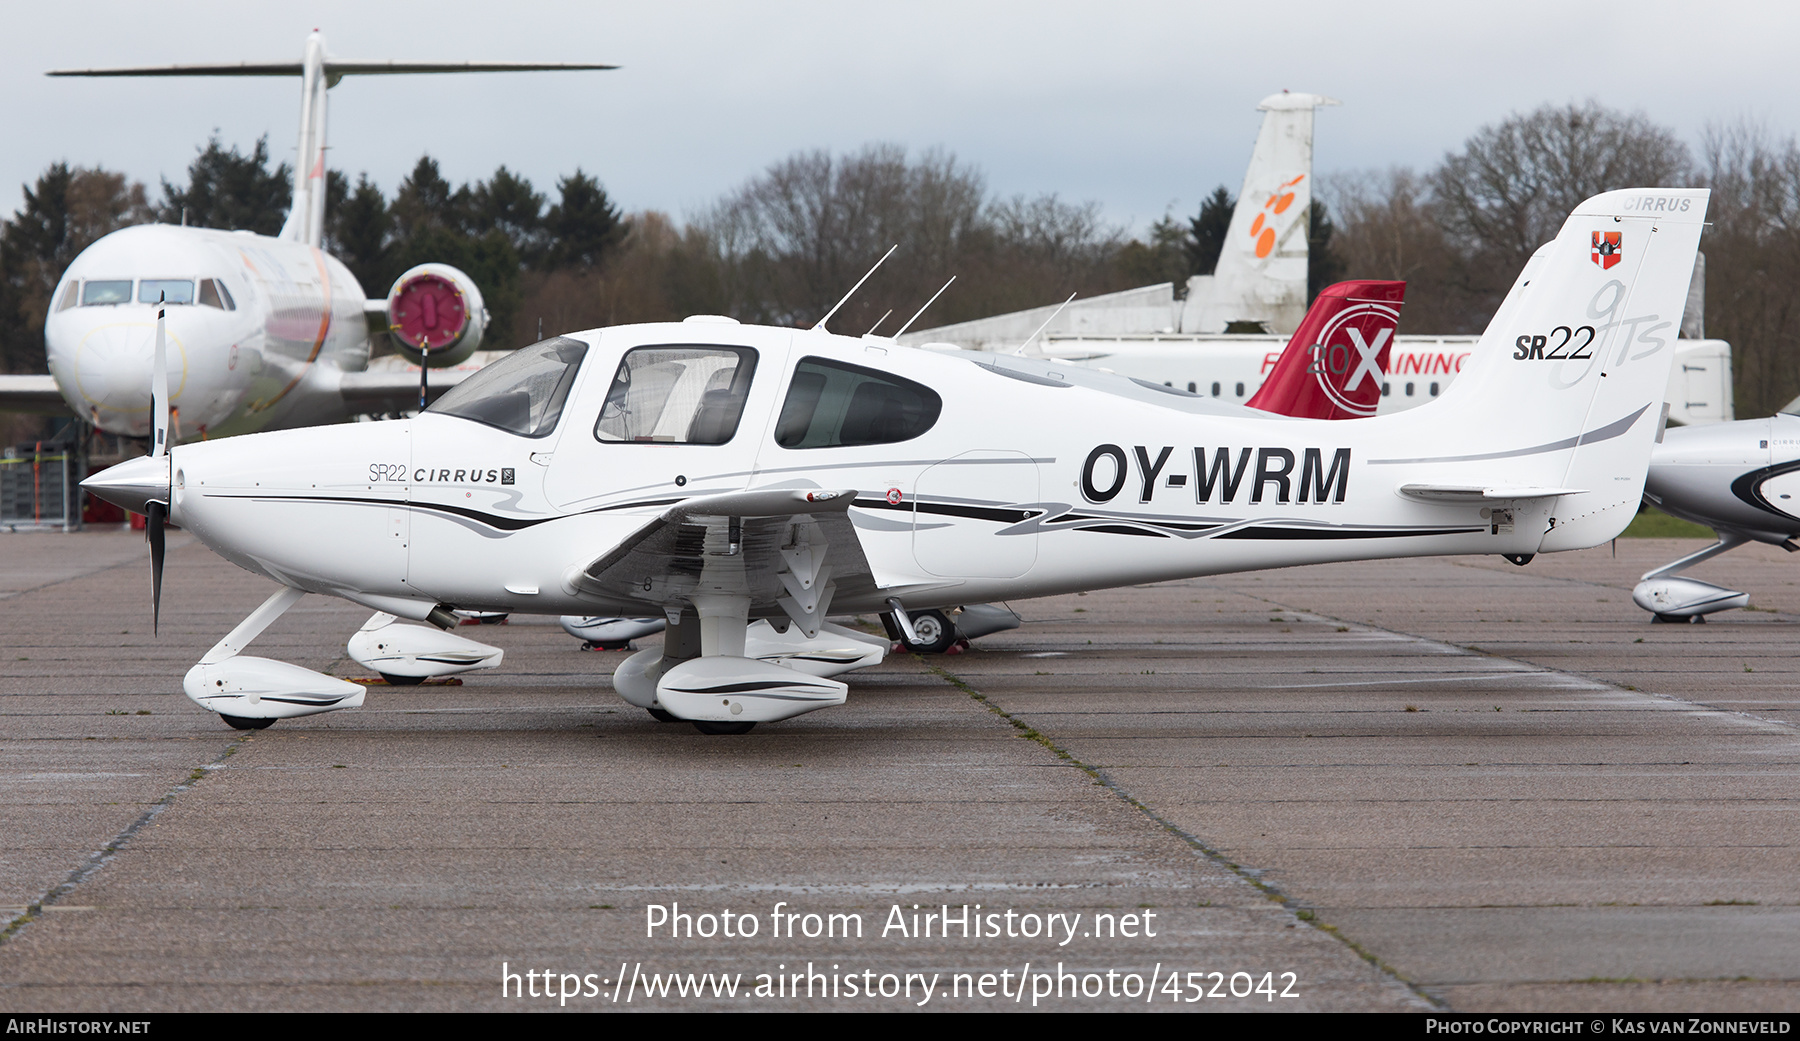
<point>306,218</point>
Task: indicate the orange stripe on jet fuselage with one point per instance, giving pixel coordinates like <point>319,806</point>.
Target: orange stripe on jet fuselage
<point>318,340</point>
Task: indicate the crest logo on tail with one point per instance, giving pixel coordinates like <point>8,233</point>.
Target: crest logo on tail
<point>1606,249</point>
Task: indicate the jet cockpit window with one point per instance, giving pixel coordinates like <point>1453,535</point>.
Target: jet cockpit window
<point>71,296</point>
<point>166,290</point>
<point>95,293</point>
<point>522,393</point>
<point>830,404</point>
<point>685,395</point>
<point>214,294</point>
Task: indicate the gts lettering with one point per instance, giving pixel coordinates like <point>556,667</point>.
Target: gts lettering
<point>1562,344</point>
<point>1220,474</point>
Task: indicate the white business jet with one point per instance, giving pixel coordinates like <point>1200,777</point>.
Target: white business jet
<point>720,474</point>
<point>262,332</point>
<point>1740,479</point>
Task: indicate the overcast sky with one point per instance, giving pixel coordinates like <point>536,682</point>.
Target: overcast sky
<point>1141,106</point>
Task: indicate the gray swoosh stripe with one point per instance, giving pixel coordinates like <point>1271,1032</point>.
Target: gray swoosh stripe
<point>1605,433</point>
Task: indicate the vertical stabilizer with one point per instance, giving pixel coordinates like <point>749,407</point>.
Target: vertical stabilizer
<point>1335,362</point>
<point>1261,274</point>
<point>306,219</point>
<point>1564,392</point>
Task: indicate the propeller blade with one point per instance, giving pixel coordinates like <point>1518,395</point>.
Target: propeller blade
<point>154,515</point>
<point>424,369</point>
<point>159,391</point>
<point>156,512</point>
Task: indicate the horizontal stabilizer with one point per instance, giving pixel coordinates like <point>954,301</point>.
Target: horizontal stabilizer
<point>1475,493</point>
<point>333,68</point>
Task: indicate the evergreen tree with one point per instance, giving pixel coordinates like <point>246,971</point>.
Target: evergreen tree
<point>65,212</point>
<point>356,232</point>
<point>585,226</point>
<point>230,190</point>
<point>424,203</point>
<point>1207,230</point>
<point>508,204</point>
<point>1323,264</point>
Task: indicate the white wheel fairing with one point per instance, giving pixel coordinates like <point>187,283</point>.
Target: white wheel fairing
<point>727,689</point>
<point>260,688</point>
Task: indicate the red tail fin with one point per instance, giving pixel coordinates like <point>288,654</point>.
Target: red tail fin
<point>1334,365</point>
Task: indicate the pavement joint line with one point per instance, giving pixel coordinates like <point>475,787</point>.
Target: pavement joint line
<point>102,856</point>
<point>1477,650</point>
<point>88,574</point>
<point>1273,893</point>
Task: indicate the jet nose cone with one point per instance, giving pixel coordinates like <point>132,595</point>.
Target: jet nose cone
<point>113,365</point>
<point>133,483</point>
<point>105,369</point>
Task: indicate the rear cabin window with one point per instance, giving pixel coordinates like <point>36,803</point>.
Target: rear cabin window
<point>679,394</point>
<point>830,404</point>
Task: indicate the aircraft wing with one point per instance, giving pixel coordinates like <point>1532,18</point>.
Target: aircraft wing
<point>772,545</point>
<point>380,391</point>
<point>37,394</point>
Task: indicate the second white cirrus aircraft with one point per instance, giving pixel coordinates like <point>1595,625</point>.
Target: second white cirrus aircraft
<point>723,475</point>
<point>262,332</point>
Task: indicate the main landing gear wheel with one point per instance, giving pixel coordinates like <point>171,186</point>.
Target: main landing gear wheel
<point>935,631</point>
<point>710,728</point>
<point>246,723</point>
<point>401,681</point>
<point>662,715</point>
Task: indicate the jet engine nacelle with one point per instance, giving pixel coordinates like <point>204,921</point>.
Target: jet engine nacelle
<point>436,306</point>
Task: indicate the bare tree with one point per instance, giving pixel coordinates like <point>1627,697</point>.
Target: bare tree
<point>1753,261</point>
<point>1510,188</point>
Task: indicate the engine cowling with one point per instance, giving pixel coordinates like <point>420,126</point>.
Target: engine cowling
<point>435,312</point>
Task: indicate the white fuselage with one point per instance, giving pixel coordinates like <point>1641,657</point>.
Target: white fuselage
<point>259,330</point>
<point>1108,483</point>
<point>1420,368</point>
<point>1741,477</point>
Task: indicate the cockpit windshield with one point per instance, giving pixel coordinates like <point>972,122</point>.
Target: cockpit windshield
<point>166,291</point>
<point>522,393</point>
<point>105,292</point>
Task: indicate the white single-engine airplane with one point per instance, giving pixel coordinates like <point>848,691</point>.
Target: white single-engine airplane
<point>1740,479</point>
<point>1331,368</point>
<point>720,474</point>
<point>263,332</point>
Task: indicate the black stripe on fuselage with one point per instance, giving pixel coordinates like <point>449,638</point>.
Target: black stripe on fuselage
<point>1312,534</point>
<point>492,520</point>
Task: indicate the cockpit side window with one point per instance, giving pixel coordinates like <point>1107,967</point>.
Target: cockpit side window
<point>70,297</point>
<point>522,393</point>
<point>680,394</point>
<point>166,290</point>
<point>830,404</point>
<point>94,293</point>
<point>214,294</point>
